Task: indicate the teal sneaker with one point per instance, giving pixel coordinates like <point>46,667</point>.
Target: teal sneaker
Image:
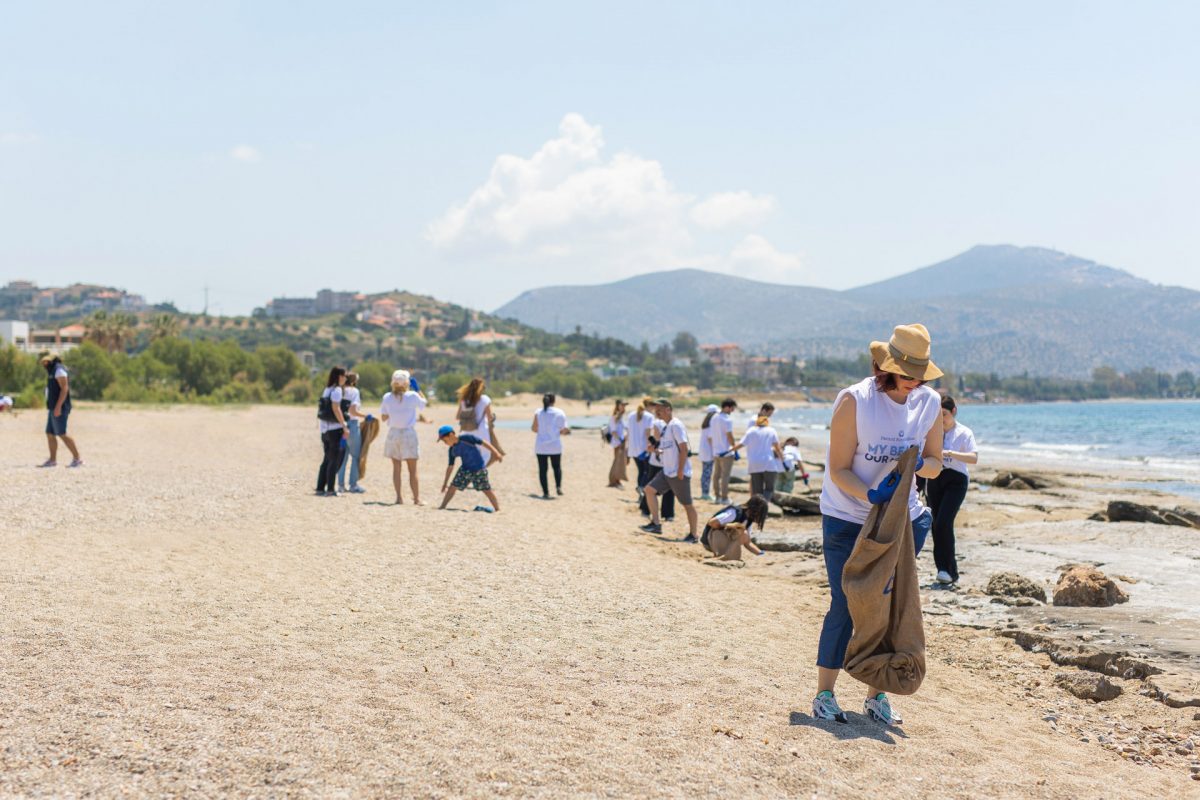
<point>879,709</point>
<point>825,706</point>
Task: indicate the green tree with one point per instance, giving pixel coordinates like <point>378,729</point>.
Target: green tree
<point>446,385</point>
<point>685,345</point>
<point>374,377</point>
<point>91,371</point>
<point>280,366</point>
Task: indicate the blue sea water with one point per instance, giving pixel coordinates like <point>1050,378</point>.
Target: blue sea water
<point>1152,443</point>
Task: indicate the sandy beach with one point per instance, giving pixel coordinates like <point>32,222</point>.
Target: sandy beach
<point>183,617</point>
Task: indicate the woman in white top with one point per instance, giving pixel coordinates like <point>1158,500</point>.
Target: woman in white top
<point>706,451</point>
<point>947,491</point>
<point>763,455</point>
<point>550,425</point>
<point>400,409</point>
<point>476,417</point>
<point>614,437</point>
<point>331,419</point>
<point>353,450</point>
<point>874,422</point>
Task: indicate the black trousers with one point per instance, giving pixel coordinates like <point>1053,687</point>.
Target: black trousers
<point>545,461</point>
<point>327,477</point>
<point>666,500</point>
<point>946,493</point>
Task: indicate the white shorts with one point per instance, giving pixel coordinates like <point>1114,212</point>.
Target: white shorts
<point>402,444</point>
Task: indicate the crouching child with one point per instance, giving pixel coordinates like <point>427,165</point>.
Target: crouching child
<point>473,472</point>
<point>729,529</point>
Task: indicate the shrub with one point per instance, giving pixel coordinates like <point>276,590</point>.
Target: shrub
<point>299,390</point>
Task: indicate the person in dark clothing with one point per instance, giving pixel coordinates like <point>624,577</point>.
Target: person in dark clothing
<point>58,408</point>
<point>331,416</point>
<point>947,491</point>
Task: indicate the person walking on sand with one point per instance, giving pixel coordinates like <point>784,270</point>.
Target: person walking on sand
<point>614,437</point>
<point>654,465</point>
<point>58,410</point>
<point>331,417</point>
<point>947,491</point>
<point>476,417</point>
<point>353,450</point>
<point>723,443</point>
<point>473,472</point>
<point>676,474</point>
<point>706,452</point>
<point>400,409</point>
<point>550,425</point>
<point>636,425</point>
<point>764,456</point>
<point>874,422</point>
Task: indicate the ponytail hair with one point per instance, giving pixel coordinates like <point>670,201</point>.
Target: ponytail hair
<point>547,400</point>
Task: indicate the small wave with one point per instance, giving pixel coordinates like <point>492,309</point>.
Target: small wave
<point>1063,448</point>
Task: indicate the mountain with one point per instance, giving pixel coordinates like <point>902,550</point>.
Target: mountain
<point>994,308</point>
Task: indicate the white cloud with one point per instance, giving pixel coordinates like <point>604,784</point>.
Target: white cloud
<point>246,154</point>
<point>755,257</point>
<point>569,211</point>
<point>728,209</point>
<point>13,138</point>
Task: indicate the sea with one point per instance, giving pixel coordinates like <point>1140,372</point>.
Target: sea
<point>1152,444</point>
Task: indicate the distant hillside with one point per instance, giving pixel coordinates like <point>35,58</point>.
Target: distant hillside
<point>998,308</point>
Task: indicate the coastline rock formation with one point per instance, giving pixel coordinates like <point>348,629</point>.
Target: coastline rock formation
<point>1010,584</point>
<point>1082,585</point>
<point>1088,686</point>
<point>1125,511</point>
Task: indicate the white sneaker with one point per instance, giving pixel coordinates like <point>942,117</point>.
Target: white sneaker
<point>825,706</point>
<point>879,709</point>
<point>943,577</point>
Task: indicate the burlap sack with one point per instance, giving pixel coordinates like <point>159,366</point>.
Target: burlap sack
<point>725,543</point>
<point>887,649</point>
<point>368,429</point>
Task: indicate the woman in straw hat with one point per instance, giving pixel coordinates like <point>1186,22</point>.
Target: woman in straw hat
<point>874,422</point>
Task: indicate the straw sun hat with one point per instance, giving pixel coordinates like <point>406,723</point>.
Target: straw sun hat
<point>907,353</point>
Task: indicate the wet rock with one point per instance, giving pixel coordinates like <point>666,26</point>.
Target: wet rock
<point>1010,584</point>
<point>1125,511</point>
<point>1081,585</point>
<point>1109,662</point>
<point>1017,602</point>
<point>1088,686</point>
<point>1022,480</point>
<point>807,505</point>
<point>789,544</point>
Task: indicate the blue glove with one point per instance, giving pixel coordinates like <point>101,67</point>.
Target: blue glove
<point>920,463</point>
<point>737,456</point>
<point>412,384</point>
<point>886,488</point>
<point>370,417</point>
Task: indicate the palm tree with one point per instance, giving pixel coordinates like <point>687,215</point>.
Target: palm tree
<point>164,326</point>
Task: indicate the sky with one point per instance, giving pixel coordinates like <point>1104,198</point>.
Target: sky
<point>475,150</point>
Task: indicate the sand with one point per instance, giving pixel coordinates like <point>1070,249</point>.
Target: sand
<point>182,617</point>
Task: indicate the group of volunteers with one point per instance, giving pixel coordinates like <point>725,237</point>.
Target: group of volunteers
<point>873,423</point>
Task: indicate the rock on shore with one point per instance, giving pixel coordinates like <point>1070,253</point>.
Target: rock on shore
<point>1082,585</point>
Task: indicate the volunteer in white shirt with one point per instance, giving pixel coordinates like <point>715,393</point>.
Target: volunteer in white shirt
<point>476,417</point>
<point>353,450</point>
<point>614,437</point>
<point>763,455</point>
<point>331,419</point>
<point>636,425</point>
<point>874,423</point>
<point>550,425</point>
<point>400,409</point>
<point>721,431</point>
<point>706,451</point>
<point>676,474</point>
<point>654,464</point>
<point>947,491</point>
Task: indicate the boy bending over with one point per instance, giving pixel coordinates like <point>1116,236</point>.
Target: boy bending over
<point>473,472</point>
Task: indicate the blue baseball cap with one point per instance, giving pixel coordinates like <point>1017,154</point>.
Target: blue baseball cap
<point>442,431</point>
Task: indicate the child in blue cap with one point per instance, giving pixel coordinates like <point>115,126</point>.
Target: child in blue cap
<point>473,472</point>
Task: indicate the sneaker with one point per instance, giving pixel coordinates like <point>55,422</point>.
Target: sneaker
<point>48,463</point>
<point>706,498</point>
<point>668,519</point>
<point>650,527</point>
<point>76,463</point>
<point>484,509</point>
<point>825,706</point>
<point>332,494</point>
<point>943,577</point>
<point>689,539</point>
<point>558,491</point>
<point>357,490</point>
<point>545,496</point>
<point>879,709</point>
